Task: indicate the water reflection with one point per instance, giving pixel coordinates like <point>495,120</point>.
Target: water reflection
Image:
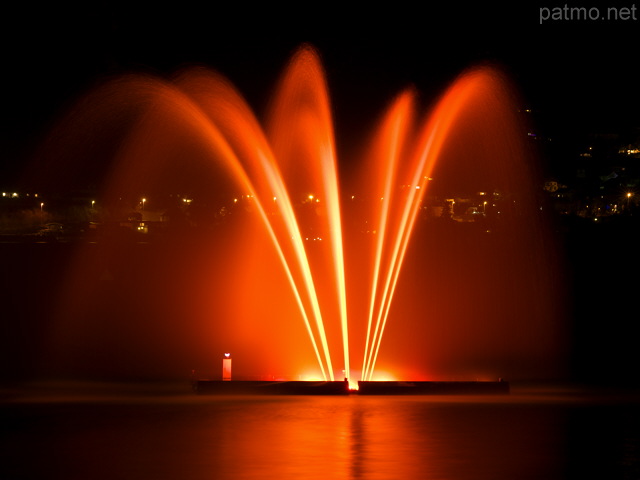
<point>182,436</point>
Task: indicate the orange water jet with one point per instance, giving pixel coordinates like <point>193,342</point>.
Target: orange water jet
<point>290,274</point>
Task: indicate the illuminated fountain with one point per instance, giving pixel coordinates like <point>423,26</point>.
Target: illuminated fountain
<point>309,276</point>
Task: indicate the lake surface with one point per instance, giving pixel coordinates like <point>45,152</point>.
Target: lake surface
<point>165,432</point>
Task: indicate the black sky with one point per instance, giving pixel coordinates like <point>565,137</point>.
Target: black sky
<point>579,74</point>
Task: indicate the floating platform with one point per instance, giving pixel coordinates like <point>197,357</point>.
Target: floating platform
<point>239,387</point>
<point>235,387</point>
<point>499,387</point>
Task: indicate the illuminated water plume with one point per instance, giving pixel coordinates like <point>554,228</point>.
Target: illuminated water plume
<point>340,284</point>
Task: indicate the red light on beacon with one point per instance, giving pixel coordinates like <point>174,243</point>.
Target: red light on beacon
<point>226,367</point>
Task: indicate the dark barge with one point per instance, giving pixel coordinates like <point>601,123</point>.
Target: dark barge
<point>240,387</point>
<point>499,387</point>
<point>235,387</point>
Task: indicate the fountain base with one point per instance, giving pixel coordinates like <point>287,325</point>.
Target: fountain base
<point>220,387</point>
<point>499,387</point>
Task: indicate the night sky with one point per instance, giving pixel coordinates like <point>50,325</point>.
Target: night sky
<point>579,74</point>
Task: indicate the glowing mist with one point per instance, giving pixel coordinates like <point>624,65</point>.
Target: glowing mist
<point>332,289</point>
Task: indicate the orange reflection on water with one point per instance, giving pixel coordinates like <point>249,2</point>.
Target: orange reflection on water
<point>384,438</point>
